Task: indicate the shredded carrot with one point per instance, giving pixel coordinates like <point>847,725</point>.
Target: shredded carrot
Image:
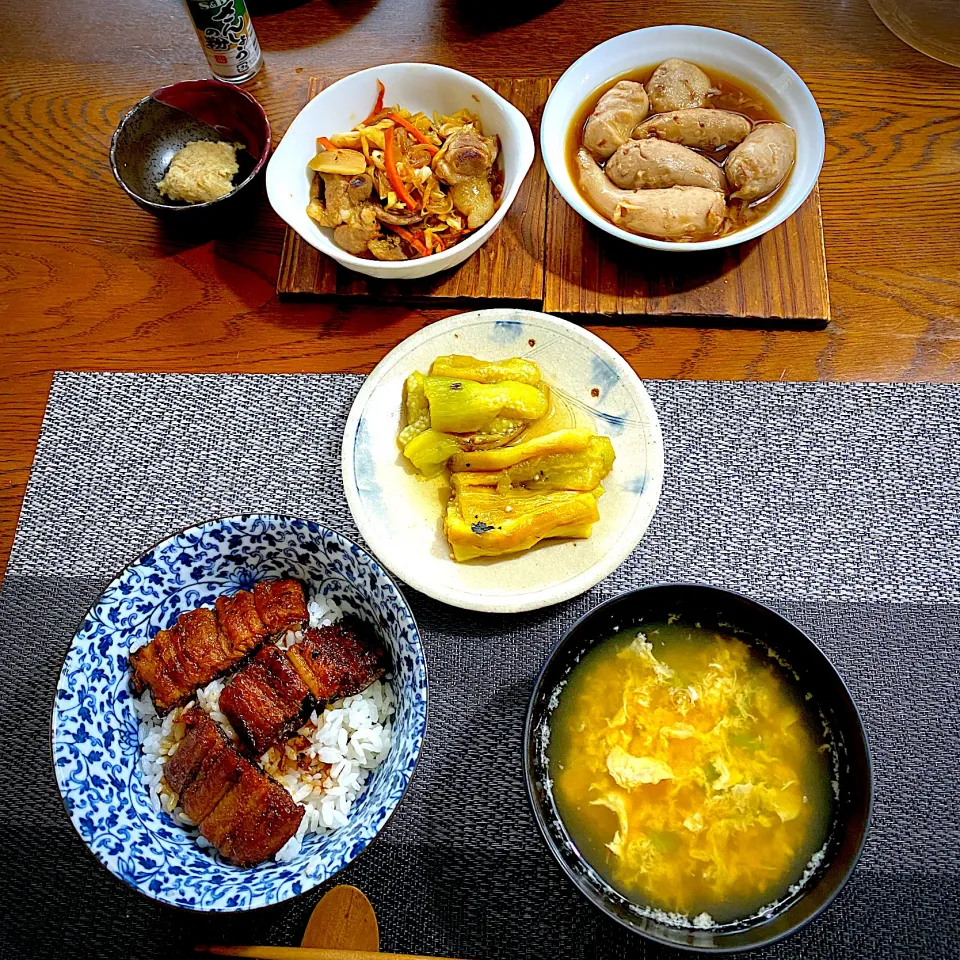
<point>378,106</point>
<point>413,239</point>
<point>393,175</point>
<point>407,125</point>
<point>325,143</point>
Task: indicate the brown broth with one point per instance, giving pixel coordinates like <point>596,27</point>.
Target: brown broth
<point>734,95</point>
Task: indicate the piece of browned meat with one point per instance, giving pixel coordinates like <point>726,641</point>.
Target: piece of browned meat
<point>239,620</point>
<point>202,737</point>
<point>339,660</point>
<point>266,701</point>
<point>204,643</point>
<point>270,697</point>
<point>281,604</point>
<point>245,814</point>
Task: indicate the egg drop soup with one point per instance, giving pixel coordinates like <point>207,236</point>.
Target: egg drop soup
<point>690,772</point>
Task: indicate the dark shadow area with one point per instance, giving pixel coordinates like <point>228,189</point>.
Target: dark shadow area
<point>264,8</point>
<point>295,24</point>
<point>698,321</point>
<point>656,273</point>
<point>481,18</point>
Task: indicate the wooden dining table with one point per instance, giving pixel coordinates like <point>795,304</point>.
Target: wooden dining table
<point>88,281</point>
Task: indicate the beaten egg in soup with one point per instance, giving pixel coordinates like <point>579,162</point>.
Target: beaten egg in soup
<point>689,772</point>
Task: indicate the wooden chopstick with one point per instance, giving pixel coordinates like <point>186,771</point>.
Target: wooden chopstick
<point>305,953</point>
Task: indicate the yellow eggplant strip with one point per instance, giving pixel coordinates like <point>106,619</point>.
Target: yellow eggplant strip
<point>497,433</point>
<point>417,409</point>
<point>465,406</point>
<point>558,471</point>
<point>429,451</point>
<point>480,522</point>
<point>467,415</point>
<point>487,371</point>
<point>561,441</point>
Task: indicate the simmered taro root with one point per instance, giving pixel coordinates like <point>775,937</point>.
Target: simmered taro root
<point>700,128</point>
<point>404,185</point>
<point>677,85</point>
<point>678,213</point>
<point>761,163</point>
<point>657,164</point>
<point>616,114</point>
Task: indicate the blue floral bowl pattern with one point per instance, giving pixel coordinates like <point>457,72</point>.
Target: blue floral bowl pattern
<point>94,727</point>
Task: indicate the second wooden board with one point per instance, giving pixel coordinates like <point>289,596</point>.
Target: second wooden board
<point>779,279</point>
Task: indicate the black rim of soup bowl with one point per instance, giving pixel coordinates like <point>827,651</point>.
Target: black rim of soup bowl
<point>751,621</point>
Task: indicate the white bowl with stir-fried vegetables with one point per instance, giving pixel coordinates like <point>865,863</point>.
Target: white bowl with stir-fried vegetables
<point>402,170</point>
<point>682,138</point>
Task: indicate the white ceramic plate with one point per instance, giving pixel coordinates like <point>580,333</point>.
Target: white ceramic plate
<point>400,515</point>
<point>712,50</point>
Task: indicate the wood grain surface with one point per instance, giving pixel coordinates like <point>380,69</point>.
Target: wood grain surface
<point>508,268</point>
<point>777,280</point>
<point>90,282</point>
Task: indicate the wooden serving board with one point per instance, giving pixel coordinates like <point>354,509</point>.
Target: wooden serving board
<point>779,279</point>
<point>546,257</point>
<point>507,269</point>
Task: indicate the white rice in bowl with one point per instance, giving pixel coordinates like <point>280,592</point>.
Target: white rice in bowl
<point>324,767</point>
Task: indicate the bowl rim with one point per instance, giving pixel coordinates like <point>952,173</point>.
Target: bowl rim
<point>153,205</point>
<point>529,777</point>
<point>777,215</point>
<point>520,126</point>
<point>69,646</point>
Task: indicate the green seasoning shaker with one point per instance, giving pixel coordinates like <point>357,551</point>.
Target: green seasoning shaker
<point>227,37</point>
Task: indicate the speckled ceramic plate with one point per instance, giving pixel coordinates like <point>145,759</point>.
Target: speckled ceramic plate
<point>401,515</point>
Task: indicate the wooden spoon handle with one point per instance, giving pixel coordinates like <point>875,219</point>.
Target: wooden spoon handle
<point>306,953</point>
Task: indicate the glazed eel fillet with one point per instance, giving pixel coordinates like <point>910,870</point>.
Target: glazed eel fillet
<point>204,643</point>
<point>272,695</point>
<point>242,811</point>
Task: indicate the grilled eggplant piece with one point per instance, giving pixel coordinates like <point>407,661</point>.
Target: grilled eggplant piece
<point>203,644</point>
<point>245,814</point>
<point>268,699</point>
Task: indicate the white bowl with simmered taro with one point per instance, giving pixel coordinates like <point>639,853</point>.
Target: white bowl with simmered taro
<point>682,138</point>
<point>402,170</point>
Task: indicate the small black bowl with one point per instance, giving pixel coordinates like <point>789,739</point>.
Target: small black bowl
<point>710,607</point>
<point>158,126</point>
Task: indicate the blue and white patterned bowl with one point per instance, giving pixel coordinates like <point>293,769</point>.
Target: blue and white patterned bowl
<point>94,727</point>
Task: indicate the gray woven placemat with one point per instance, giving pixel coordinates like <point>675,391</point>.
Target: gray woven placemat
<point>839,504</point>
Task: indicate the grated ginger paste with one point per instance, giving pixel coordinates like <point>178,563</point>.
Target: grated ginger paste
<point>202,171</point>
